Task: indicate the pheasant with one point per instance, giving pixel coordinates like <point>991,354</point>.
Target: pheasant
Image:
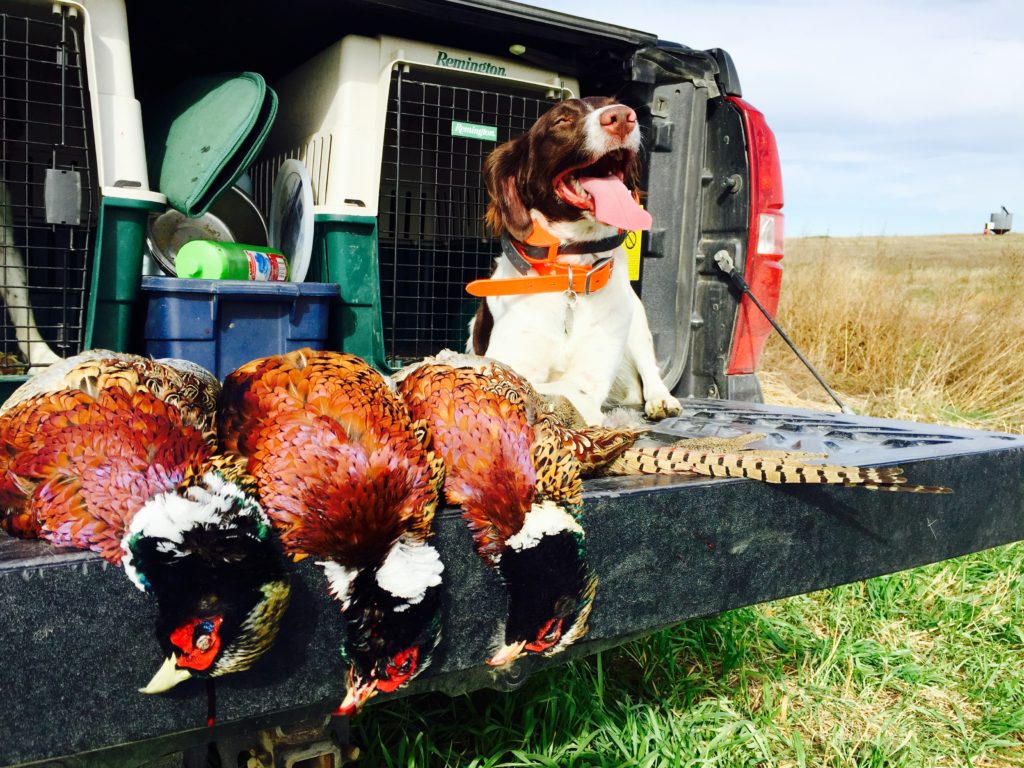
<point>612,451</point>
<point>517,474</point>
<point>348,478</point>
<point>114,453</point>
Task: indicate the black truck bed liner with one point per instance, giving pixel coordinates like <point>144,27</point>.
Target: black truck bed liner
<point>77,636</point>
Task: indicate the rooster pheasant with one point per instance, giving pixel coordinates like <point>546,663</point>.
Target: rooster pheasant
<point>612,451</point>
<point>516,471</point>
<point>114,453</point>
<point>346,477</point>
<point>515,461</point>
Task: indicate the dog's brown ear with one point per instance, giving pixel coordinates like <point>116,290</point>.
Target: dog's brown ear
<point>483,324</point>
<point>504,173</point>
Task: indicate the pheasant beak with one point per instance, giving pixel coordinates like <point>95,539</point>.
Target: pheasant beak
<point>355,697</point>
<point>507,654</point>
<point>168,676</point>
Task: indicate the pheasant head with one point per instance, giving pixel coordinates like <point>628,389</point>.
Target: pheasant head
<point>208,553</point>
<point>393,620</point>
<point>551,588</point>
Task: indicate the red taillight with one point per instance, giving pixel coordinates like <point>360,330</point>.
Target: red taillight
<point>763,268</point>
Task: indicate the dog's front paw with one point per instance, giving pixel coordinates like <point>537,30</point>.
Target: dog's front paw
<point>661,407</point>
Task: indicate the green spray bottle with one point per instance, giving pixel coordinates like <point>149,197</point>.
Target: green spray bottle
<point>211,260</point>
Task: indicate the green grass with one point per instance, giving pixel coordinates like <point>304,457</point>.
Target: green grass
<point>922,668</point>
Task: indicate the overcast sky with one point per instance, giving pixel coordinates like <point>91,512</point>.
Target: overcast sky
<point>903,117</point>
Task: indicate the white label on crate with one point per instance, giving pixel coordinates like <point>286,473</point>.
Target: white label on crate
<point>267,266</point>
<point>474,131</point>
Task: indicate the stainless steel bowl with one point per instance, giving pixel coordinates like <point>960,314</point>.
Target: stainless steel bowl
<point>233,217</point>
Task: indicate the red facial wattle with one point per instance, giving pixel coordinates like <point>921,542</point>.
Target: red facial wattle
<point>547,637</point>
<point>399,670</point>
<point>198,641</point>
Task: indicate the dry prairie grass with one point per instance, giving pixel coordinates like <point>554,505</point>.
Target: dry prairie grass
<point>923,328</point>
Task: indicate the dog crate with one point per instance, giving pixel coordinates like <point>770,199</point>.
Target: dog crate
<point>48,187</point>
<point>431,235</point>
<point>74,193</point>
<point>394,134</point>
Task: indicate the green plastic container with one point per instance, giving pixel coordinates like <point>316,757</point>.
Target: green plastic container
<point>113,298</point>
<point>345,252</point>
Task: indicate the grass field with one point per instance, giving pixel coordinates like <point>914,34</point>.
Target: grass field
<point>922,668</point>
<point>930,328</point>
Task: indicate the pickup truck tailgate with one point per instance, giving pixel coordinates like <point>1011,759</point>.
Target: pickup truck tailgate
<point>77,636</point>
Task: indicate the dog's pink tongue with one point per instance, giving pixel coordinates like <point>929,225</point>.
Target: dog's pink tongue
<point>614,205</point>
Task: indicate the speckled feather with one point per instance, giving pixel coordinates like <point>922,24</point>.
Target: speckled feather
<point>86,443</point>
<point>595,448</point>
<point>514,466</point>
<point>501,451</point>
<point>731,458</point>
<point>485,441</point>
<point>189,387</point>
<point>115,453</point>
<point>342,470</point>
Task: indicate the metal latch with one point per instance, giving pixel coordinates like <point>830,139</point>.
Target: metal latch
<point>62,194</point>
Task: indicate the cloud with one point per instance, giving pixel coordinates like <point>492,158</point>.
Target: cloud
<point>867,184</point>
<point>903,118</point>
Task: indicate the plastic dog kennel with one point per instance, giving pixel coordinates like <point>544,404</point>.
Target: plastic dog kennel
<point>394,134</point>
<point>73,189</point>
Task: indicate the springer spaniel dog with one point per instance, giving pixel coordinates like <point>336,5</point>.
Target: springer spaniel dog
<point>559,308</point>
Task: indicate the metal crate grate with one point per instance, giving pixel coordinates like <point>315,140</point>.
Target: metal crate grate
<point>432,239</point>
<point>47,188</point>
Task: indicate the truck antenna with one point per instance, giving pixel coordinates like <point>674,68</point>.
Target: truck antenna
<point>726,264</point>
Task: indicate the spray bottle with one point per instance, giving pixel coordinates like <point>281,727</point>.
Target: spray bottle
<point>211,260</point>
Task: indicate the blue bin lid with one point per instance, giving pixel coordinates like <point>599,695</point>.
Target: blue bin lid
<point>252,288</point>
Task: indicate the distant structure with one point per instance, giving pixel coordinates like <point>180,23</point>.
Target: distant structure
<point>999,222</point>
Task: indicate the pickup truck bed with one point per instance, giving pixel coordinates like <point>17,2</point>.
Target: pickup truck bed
<point>77,636</point>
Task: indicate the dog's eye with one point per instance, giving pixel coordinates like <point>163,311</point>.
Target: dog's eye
<point>563,120</point>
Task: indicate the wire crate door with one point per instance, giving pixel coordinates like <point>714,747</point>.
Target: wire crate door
<point>432,239</point>
<point>48,194</point>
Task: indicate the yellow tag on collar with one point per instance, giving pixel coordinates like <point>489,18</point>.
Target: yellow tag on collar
<point>631,245</point>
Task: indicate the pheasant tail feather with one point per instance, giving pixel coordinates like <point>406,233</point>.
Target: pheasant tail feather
<point>771,468</point>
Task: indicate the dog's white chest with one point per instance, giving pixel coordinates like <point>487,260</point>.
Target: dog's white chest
<point>570,313</point>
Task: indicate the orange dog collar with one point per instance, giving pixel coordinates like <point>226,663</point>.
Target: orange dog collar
<point>540,253</point>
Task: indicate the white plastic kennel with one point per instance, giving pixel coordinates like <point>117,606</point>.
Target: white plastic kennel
<point>335,109</point>
<point>71,131</point>
<point>398,131</point>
